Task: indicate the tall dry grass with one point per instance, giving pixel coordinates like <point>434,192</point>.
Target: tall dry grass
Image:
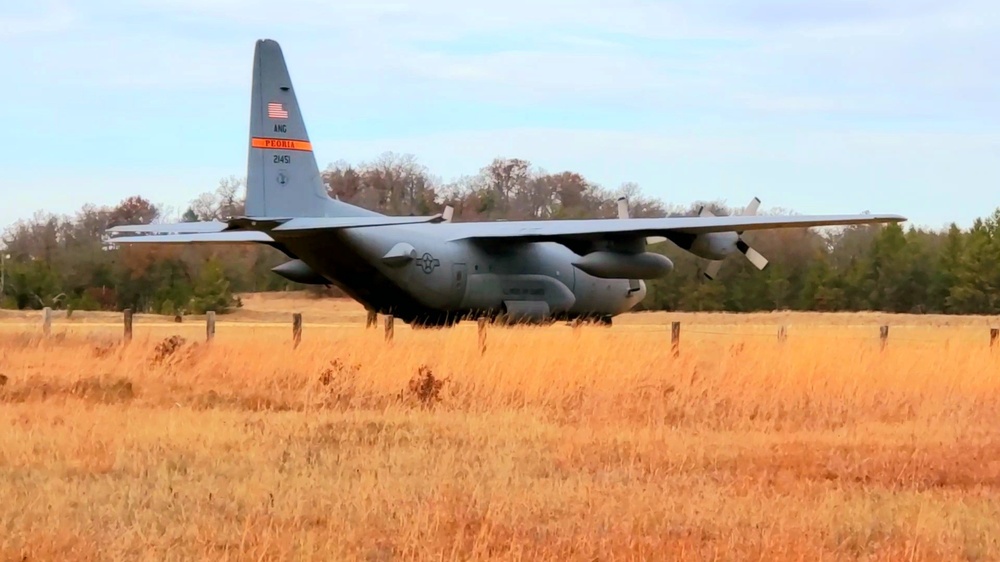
<point>556,444</point>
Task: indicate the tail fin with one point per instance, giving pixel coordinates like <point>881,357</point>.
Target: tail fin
<point>283,179</point>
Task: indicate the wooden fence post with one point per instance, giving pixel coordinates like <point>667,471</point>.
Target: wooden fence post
<point>389,327</point>
<point>883,336</point>
<point>994,335</point>
<point>675,338</point>
<point>127,317</point>
<point>210,325</point>
<point>296,329</point>
<point>482,335</point>
<point>46,320</point>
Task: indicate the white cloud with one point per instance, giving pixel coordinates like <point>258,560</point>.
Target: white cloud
<point>43,18</point>
<point>911,57</point>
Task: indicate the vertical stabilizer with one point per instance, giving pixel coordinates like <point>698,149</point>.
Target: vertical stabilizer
<point>283,179</point>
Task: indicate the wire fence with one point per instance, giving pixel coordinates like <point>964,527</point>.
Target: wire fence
<point>673,332</point>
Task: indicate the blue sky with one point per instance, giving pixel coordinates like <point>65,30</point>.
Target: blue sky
<point>814,106</point>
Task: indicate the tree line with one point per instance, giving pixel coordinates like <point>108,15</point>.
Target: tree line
<point>60,262</point>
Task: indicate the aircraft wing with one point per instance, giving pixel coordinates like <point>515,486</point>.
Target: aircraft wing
<point>592,229</point>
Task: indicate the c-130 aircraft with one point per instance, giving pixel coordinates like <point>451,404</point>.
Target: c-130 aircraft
<point>429,271</point>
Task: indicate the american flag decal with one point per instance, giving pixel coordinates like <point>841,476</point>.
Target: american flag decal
<point>275,110</point>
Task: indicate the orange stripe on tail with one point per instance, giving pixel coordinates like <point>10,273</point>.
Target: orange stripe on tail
<point>281,144</point>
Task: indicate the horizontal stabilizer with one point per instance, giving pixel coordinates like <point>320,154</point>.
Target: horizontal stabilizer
<point>232,237</point>
<point>247,229</point>
<point>171,228</point>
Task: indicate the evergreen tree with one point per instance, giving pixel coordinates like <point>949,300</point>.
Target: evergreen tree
<point>211,290</point>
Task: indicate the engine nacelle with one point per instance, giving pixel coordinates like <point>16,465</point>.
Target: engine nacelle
<point>299,272</point>
<point>714,245</point>
<point>617,265</point>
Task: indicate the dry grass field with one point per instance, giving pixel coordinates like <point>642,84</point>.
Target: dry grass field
<point>555,444</point>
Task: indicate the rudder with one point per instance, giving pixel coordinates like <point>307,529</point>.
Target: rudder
<point>283,179</point>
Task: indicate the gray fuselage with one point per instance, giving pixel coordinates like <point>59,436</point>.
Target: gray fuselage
<point>417,274</point>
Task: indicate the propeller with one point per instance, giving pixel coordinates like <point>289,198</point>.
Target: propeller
<point>623,207</point>
<point>633,284</point>
<point>624,214</point>
<point>760,262</point>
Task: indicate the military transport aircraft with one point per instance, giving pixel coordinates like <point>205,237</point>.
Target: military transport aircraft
<point>430,271</point>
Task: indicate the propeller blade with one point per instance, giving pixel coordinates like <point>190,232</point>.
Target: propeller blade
<point>622,208</point>
<point>759,261</point>
<point>750,209</point>
<point>712,269</point>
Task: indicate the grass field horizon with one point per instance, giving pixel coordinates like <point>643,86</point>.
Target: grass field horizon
<point>555,444</point>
